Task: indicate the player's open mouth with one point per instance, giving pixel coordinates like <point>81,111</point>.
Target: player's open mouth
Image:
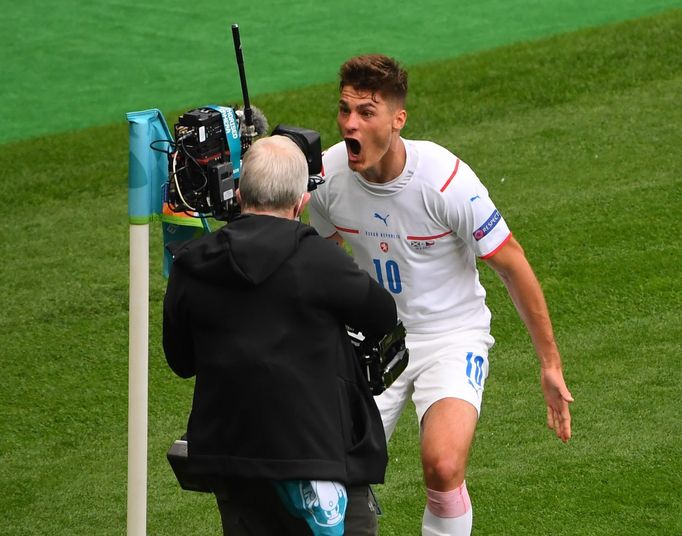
<point>353,146</point>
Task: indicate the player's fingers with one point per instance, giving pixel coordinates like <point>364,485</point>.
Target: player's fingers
<point>550,418</point>
<point>562,419</point>
<point>565,427</point>
<point>560,423</point>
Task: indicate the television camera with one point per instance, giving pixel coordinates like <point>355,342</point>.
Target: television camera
<point>204,160</point>
<point>382,360</point>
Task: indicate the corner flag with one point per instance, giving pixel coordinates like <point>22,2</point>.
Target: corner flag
<point>150,142</point>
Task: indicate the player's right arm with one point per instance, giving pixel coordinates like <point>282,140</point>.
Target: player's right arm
<point>320,221</point>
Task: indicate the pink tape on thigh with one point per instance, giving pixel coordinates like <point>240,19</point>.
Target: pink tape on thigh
<point>453,503</point>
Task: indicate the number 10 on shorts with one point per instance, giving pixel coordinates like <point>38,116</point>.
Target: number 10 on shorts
<point>392,272</point>
<point>475,370</point>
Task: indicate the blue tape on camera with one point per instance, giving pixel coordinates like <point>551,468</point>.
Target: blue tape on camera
<point>234,141</point>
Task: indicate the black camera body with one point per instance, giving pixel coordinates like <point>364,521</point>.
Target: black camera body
<point>382,360</point>
<point>201,174</point>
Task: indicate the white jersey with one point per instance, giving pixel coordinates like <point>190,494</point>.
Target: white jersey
<point>418,235</point>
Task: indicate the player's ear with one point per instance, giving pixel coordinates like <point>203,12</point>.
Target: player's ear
<point>399,118</point>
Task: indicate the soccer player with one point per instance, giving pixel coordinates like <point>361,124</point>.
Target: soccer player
<point>416,218</point>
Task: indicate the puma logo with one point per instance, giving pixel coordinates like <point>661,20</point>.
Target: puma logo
<point>382,218</point>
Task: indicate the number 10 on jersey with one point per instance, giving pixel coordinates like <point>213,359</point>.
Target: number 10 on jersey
<point>388,275</point>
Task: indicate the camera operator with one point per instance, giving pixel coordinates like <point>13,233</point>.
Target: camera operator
<point>257,311</point>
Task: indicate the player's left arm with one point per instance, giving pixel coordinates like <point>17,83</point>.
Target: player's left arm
<point>511,265</point>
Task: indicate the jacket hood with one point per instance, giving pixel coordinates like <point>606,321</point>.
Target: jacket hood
<point>250,249</point>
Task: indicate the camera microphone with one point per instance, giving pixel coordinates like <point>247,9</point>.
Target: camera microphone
<point>259,121</point>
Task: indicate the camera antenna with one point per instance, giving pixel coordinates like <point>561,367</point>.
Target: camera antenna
<point>249,131</point>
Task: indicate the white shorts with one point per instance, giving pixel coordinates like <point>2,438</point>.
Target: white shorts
<point>451,365</point>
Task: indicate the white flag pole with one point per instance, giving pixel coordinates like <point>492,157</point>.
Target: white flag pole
<point>138,357</point>
<point>147,175</point>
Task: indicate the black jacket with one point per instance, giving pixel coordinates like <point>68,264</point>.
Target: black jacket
<point>257,311</point>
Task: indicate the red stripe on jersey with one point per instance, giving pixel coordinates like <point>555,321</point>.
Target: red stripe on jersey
<point>429,237</point>
<point>454,172</point>
<point>498,248</point>
<point>342,229</point>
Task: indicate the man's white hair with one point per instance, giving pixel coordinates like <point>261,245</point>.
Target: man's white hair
<point>274,174</point>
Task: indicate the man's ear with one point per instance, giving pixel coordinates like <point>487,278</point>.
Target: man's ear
<point>239,196</point>
<point>399,119</point>
<point>301,204</point>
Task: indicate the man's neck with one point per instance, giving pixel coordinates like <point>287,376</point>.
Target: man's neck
<point>390,166</point>
<point>283,213</point>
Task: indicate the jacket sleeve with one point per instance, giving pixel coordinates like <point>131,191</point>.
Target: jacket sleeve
<point>377,315</point>
<point>361,302</point>
<point>177,336</point>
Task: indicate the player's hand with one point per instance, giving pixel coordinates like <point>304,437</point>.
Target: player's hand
<point>557,397</point>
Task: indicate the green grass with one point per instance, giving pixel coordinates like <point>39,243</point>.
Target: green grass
<point>577,138</point>
<point>70,64</point>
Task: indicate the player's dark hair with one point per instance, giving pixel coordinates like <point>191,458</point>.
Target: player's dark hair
<point>375,73</point>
